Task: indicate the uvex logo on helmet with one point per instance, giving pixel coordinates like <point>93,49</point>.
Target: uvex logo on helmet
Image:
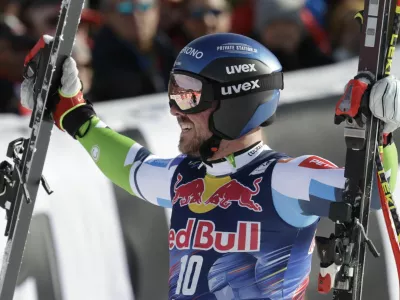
<point>241,87</point>
<point>237,69</point>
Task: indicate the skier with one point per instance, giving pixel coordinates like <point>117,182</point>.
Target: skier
<point>244,217</point>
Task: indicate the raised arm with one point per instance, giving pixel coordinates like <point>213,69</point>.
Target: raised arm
<point>128,164</point>
<point>303,187</point>
<point>122,160</point>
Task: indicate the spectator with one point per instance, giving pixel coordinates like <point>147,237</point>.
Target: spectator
<point>242,16</point>
<point>83,57</point>
<point>9,12</point>
<point>41,17</point>
<point>171,15</point>
<point>130,56</point>
<point>318,8</point>
<point>278,25</point>
<point>13,49</point>
<point>313,17</point>
<point>202,17</point>
<point>344,30</point>
<point>8,8</point>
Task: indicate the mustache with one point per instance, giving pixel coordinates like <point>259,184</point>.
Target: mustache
<point>183,119</point>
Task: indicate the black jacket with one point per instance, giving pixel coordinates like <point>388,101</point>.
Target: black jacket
<point>120,71</point>
<point>8,98</point>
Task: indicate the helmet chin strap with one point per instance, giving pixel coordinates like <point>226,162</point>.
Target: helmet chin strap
<point>209,147</point>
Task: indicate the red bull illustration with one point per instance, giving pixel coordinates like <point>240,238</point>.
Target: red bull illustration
<point>229,192</point>
<point>190,192</point>
<point>224,196</point>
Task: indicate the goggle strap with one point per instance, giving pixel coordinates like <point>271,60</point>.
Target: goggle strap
<point>242,87</point>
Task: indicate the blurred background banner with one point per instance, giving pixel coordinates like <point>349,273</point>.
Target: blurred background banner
<point>92,240</point>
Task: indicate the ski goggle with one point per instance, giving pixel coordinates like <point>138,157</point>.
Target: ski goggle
<point>199,13</point>
<point>193,94</point>
<point>128,8</point>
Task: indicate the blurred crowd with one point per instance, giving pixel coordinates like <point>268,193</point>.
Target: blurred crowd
<point>126,48</point>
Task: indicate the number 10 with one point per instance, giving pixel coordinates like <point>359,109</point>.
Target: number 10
<point>187,273</point>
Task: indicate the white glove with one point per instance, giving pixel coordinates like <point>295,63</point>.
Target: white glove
<point>27,94</point>
<point>70,82</point>
<point>384,102</point>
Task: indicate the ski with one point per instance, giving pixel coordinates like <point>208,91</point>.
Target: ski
<point>343,253</point>
<point>20,180</point>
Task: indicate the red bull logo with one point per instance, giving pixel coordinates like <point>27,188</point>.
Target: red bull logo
<point>232,191</point>
<point>206,237</point>
<point>190,192</point>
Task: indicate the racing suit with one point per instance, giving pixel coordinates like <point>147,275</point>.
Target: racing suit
<point>242,227</point>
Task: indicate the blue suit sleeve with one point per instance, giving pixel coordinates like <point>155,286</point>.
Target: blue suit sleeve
<point>304,187</point>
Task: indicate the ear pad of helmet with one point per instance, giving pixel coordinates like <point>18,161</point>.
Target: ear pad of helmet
<point>237,116</point>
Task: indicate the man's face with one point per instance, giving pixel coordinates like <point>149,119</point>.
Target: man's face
<point>206,17</point>
<point>135,20</point>
<point>194,132</point>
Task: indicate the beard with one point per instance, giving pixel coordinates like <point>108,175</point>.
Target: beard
<point>190,147</point>
<point>190,142</point>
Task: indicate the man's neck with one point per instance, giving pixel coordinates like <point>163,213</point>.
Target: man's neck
<point>228,147</point>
